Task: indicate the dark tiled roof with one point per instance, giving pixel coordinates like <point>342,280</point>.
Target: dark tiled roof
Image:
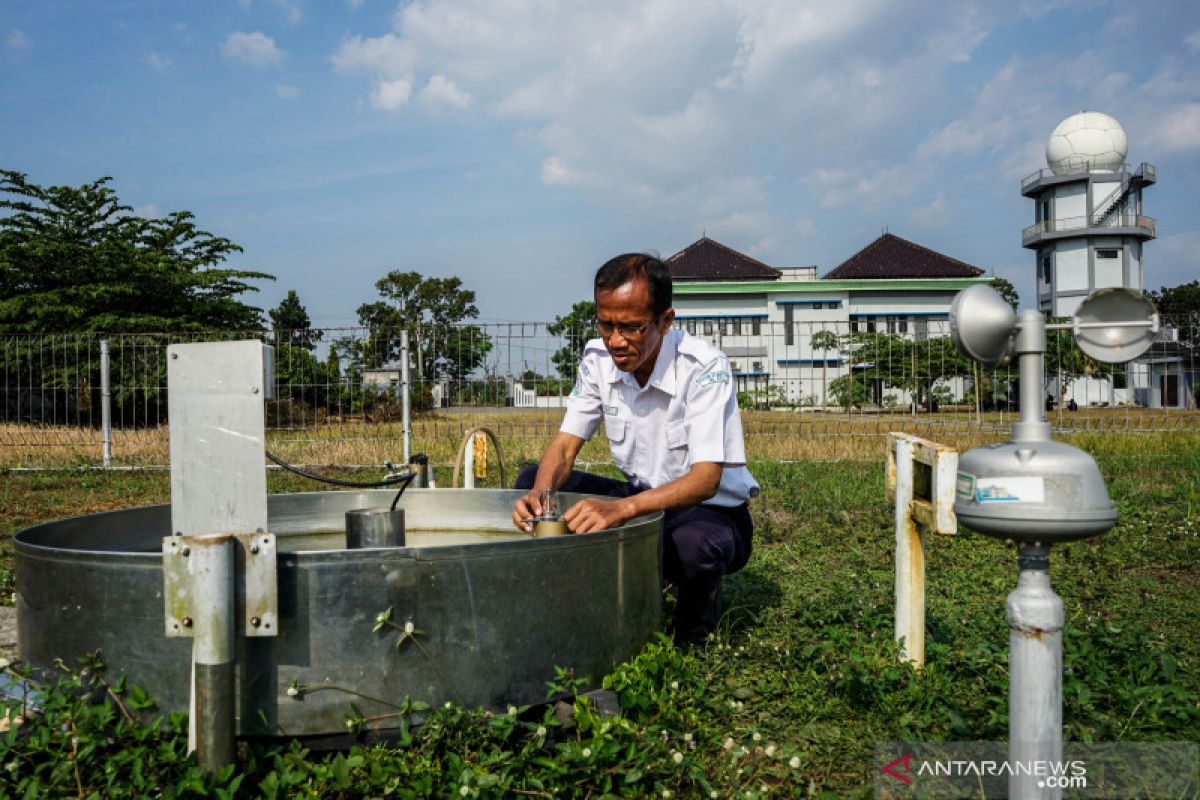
<point>892,257</point>
<point>706,260</point>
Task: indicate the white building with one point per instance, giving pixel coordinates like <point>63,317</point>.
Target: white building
<point>1089,229</point>
<point>774,324</point>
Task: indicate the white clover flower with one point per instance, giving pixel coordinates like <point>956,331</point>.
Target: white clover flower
<point>728,743</point>
<point>794,763</point>
<point>674,685</point>
<point>293,691</point>
<point>512,711</point>
<point>666,792</point>
<point>770,750</point>
<point>757,736</point>
<point>409,628</point>
<point>587,752</point>
<point>687,737</point>
<point>764,789</point>
<point>4,662</point>
<point>447,704</point>
<point>464,790</point>
<point>677,757</point>
<point>541,731</point>
<point>714,794</point>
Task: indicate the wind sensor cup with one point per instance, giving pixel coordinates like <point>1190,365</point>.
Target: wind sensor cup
<point>1032,489</point>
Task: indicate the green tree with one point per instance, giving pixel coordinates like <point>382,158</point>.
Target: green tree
<point>432,310</point>
<point>290,322</point>
<point>1180,306</point>
<point>576,328</point>
<point>824,340</point>
<point>76,259</point>
<point>1006,290</point>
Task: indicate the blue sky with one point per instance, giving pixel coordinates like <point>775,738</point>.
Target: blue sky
<point>519,144</point>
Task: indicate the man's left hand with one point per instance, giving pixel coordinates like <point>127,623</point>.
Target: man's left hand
<point>592,514</point>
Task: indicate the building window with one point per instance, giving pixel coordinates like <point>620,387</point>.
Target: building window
<point>756,326</point>
<point>733,366</point>
<point>789,315</point>
<point>708,327</point>
<point>758,367</point>
<point>724,327</point>
<point>691,326</point>
<point>1108,253</point>
<point>737,326</point>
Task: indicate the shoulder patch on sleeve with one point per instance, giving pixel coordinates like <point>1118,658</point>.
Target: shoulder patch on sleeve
<point>713,376</point>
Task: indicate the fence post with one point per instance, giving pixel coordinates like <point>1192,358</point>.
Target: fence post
<point>105,404</point>
<point>405,401</point>
<point>921,479</point>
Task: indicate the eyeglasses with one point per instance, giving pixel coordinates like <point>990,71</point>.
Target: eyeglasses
<point>606,329</point>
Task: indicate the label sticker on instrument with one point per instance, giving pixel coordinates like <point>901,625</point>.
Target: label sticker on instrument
<point>1015,489</point>
<point>965,486</point>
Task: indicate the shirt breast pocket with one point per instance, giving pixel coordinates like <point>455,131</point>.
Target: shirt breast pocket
<point>677,449</point>
<point>619,441</point>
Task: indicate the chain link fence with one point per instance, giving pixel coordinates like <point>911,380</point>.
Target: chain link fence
<point>807,390</point>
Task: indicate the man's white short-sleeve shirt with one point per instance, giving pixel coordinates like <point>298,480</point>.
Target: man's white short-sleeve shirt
<point>686,413</point>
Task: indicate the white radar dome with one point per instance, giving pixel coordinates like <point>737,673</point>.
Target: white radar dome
<point>1088,140</point>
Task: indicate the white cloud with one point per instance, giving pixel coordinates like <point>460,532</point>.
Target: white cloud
<point>18,40</point>
<point>388,56</point>
<point>1193,41</point>
<point>256,49</point>
<point>389,95</point>
<point>556,172</point>
<point>1178,128</point>
<point>291,10</point>
<point>441,89</point>
<point>932,215</point>
<point>287,91</point>
<point>158,62</point>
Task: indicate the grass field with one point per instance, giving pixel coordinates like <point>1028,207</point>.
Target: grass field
<point>790,698</point>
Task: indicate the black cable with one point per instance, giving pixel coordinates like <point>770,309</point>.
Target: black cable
<point>410,477</point>
<point>390,481</point>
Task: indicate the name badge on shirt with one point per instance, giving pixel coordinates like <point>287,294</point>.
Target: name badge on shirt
<point>610,410</point>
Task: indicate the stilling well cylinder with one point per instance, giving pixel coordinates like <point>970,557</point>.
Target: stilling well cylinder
<point>374,527</point>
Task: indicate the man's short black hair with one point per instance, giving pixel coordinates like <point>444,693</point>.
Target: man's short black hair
<point>628,267</point>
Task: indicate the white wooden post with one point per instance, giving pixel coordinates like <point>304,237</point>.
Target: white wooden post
<point>924,500</point>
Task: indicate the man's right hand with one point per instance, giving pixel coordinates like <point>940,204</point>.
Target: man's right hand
<point>527,506</point>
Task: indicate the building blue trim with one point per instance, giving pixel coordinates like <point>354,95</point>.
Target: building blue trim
<point>751,374</point>
<point>722,316</point>
<point>829,362</point>
<point>901,314</point>
<point>838,300</point>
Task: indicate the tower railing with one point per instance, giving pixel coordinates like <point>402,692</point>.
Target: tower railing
<point>1145,226</point>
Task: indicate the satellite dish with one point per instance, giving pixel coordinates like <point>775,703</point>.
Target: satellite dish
<point>1115,325</point>
<point>982,324</point>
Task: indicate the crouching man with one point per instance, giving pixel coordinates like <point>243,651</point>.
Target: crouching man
<point>670,414</point>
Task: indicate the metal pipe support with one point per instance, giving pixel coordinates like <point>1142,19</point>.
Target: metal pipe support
<point>1035,625</point>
